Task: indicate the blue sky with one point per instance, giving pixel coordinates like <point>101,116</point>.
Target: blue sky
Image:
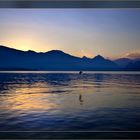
<point>110,32</point>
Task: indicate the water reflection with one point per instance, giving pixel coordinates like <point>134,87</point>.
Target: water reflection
<point>28,102</point>
<point>45,101</point>
<point>81,99</point>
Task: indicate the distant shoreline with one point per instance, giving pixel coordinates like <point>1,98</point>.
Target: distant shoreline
<point>4,69</point>
<point>66,71</point>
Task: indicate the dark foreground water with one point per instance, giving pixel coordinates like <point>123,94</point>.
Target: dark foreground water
<point>69,105</point>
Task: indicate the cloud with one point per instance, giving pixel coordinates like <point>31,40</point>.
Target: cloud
<point>133,55</point>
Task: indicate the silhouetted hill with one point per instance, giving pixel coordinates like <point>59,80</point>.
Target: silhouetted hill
<point>101,60</point>
<point>98,58</point>
<point>100,63</point>
<point>12,59</point>
<point>122,62</point>
<point>85,58</point>
<point>136,59</point>
<point>133,66</point>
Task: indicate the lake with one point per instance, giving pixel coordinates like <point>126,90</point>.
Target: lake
<point>68,103</point>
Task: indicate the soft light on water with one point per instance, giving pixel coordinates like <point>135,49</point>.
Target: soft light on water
<point>68,101</point>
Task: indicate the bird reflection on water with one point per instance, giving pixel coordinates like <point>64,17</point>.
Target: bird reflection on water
<point>81,99</point>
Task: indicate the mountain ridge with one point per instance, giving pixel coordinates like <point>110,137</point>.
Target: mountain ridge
<point>55,60</point>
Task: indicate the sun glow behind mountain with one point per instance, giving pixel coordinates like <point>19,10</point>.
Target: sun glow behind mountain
<point>81,32</point>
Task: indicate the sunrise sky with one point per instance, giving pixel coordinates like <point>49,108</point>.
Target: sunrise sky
<point>82,32</point>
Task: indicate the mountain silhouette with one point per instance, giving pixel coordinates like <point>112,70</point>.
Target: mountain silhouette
<point>133,66</point>
<point>85,58</point>
<point>98,58</point>
<point>12,59</point>
<point>122,62</point>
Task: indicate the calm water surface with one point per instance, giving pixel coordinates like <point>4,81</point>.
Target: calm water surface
<point>66,101</point>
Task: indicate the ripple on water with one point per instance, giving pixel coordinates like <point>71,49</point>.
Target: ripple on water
<point>65,101</point>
